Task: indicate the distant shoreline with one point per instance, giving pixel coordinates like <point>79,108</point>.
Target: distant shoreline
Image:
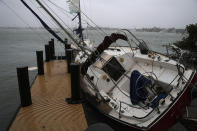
<point>20,27</point>
<point>154,29</point>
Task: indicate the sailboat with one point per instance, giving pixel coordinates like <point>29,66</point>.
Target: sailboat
<point>132,85</point>
<point>140,88</point>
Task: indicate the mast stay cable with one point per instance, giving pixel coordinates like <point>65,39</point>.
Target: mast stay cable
<point>52,23</point>
<point>43,23</point>
<point>65,30</point>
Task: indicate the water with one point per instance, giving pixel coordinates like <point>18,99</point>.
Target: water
<point>18,47</point>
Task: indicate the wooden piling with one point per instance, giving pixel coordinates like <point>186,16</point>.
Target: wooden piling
<point>24,86</point>
<point>53,44</point>
<point>52,50</point>
<point>40,63</point>
<point>47,53</point>
<point>69,57</point>
<point>75,84</point>
<point>67,46</point>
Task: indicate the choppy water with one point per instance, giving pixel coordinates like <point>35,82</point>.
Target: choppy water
<point>17,48</point>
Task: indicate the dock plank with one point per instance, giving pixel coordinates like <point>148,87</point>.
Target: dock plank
<point>49,111</point>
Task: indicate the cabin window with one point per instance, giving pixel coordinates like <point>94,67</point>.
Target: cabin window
<point>114,69</point>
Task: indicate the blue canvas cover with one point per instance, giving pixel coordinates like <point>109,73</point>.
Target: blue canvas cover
<point>137,87</point>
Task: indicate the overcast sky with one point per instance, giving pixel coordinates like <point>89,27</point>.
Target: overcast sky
<point>109,13</point>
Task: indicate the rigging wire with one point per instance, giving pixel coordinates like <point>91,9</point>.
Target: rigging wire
<point>39,22</point>
<point>60,7</point>
<point>75,36</point>
<point>67,12</point>
<point>86,50</point>
<point>50,21</point>
<point>64,11</point>
<point>57,16</point>
<point>90,20</point>
<point>53,24</point>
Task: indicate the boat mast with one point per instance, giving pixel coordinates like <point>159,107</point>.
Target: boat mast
<point>65,30</point>
<point>60,25</point>
<point>80,24</point>
<point>42,22</point>
<point>79,30</point>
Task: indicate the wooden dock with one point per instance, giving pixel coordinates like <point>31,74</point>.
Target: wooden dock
<point>49,111</point>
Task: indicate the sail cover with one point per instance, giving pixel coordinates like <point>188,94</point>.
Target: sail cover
<point>73,6</point>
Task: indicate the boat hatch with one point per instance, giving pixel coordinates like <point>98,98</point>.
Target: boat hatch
<point>114,69</point>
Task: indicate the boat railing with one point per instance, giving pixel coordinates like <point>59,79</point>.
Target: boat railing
<point>137,107</point>
<point>140,43</point>
<point>130,105</point>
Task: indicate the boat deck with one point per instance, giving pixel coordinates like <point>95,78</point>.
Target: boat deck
<point>49,110</point>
